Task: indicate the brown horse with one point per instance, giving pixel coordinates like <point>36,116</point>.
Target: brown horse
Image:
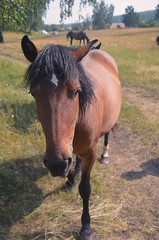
<point>78,99</point>
<point>78,36</point>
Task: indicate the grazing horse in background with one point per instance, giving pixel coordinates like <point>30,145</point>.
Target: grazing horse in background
<point>157,40</point>
<point>78,36</point>
<point>78,99</point>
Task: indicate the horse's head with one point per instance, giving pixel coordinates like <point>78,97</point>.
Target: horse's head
<point>56,81</point>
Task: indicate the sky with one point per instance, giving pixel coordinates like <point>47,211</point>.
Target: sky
<point>53,12</point>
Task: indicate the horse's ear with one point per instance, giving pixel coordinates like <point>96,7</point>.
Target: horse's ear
<point>29,49</point>
<point>97,47</point>
<point>79,53</point>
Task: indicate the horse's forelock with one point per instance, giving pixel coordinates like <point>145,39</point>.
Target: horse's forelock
<point>52,59</point>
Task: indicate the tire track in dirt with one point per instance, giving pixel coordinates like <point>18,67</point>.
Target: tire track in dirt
<point>23,62</point>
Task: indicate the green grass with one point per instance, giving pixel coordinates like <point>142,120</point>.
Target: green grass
<point>137,123</point>
<point>17,111</point>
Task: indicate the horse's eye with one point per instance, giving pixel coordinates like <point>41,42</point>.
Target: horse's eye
<point>76,92</point>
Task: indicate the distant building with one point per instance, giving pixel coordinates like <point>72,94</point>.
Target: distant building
<point>43,32</point>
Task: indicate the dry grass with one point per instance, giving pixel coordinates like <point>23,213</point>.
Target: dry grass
<point>124,199</point>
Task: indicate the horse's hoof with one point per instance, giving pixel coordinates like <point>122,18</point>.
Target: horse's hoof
<point>104,160</point>
<point>87,235</point>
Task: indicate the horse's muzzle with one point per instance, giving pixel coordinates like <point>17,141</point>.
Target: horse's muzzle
<point>59,167</point>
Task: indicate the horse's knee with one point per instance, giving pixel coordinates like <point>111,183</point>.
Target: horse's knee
<point>85,189</point>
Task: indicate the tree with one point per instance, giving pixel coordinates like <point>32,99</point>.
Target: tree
<point>77,27</point>
<point>130,18</point>
<point>87,23</point>
<point>11,15</point>
<point>66,7</point>
<point>34,11</point>
<point>109,15</point>
<point>18,15</point>
<point>98,17</point>
<point>102,15</point>
<point>157,12</point>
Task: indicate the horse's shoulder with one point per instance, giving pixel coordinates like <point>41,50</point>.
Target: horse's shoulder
<point>103,58</point>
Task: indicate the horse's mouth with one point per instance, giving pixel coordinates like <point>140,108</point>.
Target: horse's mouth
<point>64,173</point>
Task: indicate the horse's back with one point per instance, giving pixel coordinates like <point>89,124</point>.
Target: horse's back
<point>102,67</point>
<point>103,72</point>
<point>99,59</point>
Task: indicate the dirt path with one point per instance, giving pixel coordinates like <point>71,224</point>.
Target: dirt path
<point>134,175</point>
<point>23,62</point>
<point>134,179</point>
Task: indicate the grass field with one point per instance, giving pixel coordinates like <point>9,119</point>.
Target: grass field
<point>124,203</point>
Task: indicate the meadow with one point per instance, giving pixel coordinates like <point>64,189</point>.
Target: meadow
<point>124,203</point>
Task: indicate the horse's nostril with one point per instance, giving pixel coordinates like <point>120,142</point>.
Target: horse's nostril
<point>69,163</point>
<point>69,160</point>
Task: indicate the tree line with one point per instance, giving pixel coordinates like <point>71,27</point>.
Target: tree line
<point>103,17</point>
<point>26,15</point>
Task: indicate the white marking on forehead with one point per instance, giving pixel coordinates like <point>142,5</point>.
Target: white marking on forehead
<point>54,80</point>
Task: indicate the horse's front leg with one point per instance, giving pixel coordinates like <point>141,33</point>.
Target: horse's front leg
<point>85,190</point>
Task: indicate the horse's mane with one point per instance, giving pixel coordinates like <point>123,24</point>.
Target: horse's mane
<point>55,59</point>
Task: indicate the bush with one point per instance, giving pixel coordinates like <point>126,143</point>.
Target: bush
<point>148,24</point>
